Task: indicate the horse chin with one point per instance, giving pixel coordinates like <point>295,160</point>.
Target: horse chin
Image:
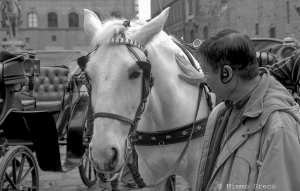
<point>106,166</point>
<point>103,167</point>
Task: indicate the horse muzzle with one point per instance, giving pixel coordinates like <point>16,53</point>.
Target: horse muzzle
<point>105,162</point>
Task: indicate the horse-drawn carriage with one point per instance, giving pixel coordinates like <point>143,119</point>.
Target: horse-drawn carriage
<point>43,106</point>
<point>272,50</point>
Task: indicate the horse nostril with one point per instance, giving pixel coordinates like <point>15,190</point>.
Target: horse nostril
<point>114,158</point>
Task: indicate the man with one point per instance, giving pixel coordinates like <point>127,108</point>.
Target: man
<point>252,139</point>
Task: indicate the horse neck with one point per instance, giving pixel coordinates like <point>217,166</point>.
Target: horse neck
<point>172,101</point>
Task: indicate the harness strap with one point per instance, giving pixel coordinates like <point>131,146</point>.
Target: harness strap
<point>296,73</point>
<point>132,165</point>
<point>133,52</point>
<point>113,116</point>
<point>103,178</point>
<point>187,53</point>
<point>172,136</point>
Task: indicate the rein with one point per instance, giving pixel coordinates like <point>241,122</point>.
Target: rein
<point>134,169</point>
<point>134,135</point>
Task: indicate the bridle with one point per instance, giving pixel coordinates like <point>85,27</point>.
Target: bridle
<point>147,82</point>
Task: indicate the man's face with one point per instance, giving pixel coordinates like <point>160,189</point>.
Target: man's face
<point>212,79</point>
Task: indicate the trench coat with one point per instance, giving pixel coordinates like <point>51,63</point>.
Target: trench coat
<point>264,152</point>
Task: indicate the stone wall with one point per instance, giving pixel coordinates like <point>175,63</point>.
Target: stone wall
<point>63,37</point>
<point>256,18</point>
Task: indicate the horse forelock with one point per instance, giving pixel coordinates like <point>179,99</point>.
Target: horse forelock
<point>112,28</point>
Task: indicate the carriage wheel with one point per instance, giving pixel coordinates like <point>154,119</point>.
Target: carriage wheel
<point>19,171</point>
<point>86,170</point>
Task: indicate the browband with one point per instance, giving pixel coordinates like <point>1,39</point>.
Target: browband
<point>130,42</point>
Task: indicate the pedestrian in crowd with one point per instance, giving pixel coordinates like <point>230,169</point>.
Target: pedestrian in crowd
<point>252,138</point>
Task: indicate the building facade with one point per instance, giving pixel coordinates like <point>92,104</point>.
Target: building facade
<point>256,18</point>
<point>58,24</point>
<point>181,21</point>
<point>175,22</point>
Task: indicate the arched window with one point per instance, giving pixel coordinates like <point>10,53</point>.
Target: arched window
<point>32,20</point>
<point>116,14</point>
<point>98,15</point>
<point>205,33</point>
<point>73,20</point>
<point>52,20</point>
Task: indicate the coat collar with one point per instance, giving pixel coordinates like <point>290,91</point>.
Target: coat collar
<point>254,106</point>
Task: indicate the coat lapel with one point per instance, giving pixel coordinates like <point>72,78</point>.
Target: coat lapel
<point>236,140</point>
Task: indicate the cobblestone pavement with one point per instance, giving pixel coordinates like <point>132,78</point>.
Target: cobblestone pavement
<point>71,181</point>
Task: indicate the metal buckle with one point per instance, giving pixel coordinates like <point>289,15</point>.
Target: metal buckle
<point>161,143</point>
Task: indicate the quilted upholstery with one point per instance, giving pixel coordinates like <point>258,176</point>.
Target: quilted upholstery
<point>49,87</point>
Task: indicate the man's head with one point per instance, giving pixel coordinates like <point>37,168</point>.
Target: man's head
<point>225,55</point>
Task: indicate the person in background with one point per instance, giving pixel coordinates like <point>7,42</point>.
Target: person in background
<point>252,138</point>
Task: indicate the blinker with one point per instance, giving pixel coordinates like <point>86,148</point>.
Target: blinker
<point>146,67</point>
<point>81,61</point>
<point>148,78</point>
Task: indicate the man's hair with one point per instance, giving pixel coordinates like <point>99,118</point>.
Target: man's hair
<point>229,47</point>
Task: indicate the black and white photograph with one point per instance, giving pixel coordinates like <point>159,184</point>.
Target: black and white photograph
<point>149,95</point>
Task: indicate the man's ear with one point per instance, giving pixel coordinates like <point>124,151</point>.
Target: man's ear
<point>226,73</point>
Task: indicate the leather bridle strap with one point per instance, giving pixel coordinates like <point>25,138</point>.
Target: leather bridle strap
<point>136,175</point>
<point>113,116</point>
<point>102,177</point>
<point>133,52</point>
<point>146,67</point>
<point>187,53</point>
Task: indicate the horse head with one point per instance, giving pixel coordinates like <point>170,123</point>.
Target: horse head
<point>119,69</point>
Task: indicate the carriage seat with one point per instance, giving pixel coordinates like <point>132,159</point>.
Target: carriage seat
<point>48,89</point>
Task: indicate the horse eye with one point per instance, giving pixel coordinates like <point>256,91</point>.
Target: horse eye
<point>135,74</point>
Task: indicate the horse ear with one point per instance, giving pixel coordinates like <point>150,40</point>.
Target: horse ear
<point>153,27</point>
<point>92,24</point>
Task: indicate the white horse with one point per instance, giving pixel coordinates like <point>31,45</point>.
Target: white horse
<point>117,88</point>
